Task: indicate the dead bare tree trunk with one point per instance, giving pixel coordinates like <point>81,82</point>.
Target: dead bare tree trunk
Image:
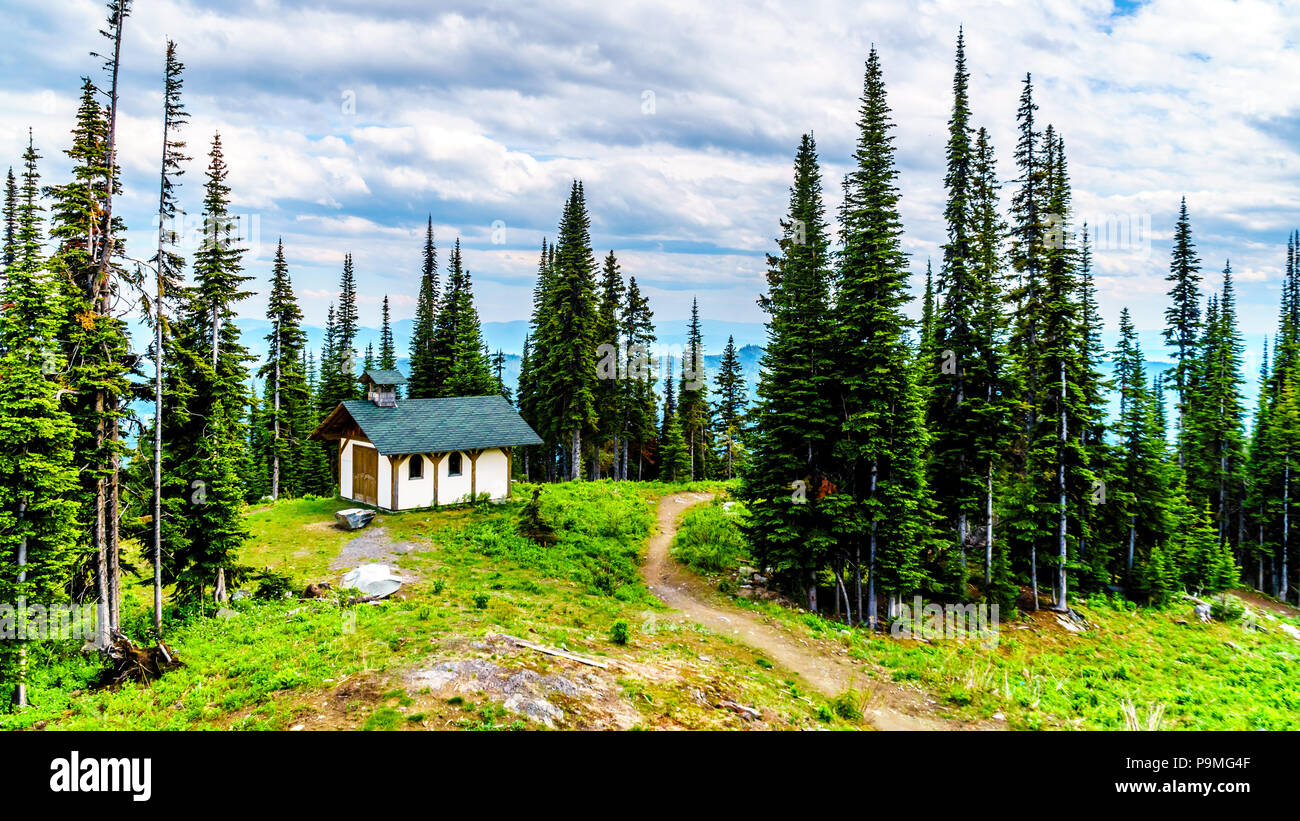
<point>988,533</point>
<point>101,293</point>
<point>115,526</point>
<point>871,557</point>
<point>857,576</point>
<point>20,687</point>
<point>575,456</point>
<point>1286,528</point>
<point>275,448</point>
<point>157,450</point>
<point>1060,475</point>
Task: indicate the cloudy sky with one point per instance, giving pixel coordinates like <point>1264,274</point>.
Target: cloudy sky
<point>347,123</point>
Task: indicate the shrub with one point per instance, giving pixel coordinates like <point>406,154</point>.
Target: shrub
<point>272,585</point>
<point>710,539</point>
<point>1227,608</point>
<point>385,718</point>
<point>620,632</point>
<point>849,705</point>
<point>481,601</point>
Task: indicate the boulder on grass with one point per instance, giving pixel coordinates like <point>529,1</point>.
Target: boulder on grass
<point>354,518</point>
<point>372,580</point>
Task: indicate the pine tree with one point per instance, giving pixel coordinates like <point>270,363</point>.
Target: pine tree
<point>1256,486</point>
<point>693,401</point>
<point>670,399</point>
<point>1183,316</point>
<point>39,544</point>
<point>95,345</point>
<point>498,375</point>
<point>459,366</point>
<point>112,396</point>
<point>1283,446</point>
<point>207,439</point>
<point>636,403</point>
<point>732,403</point>
<point>313,460</point>
<point>883,440</point>
<point>10,216</point>
<point>343,384</point>
<point>259,448</point>
<point>1051,346</point>
<point>286,384</point>
<point>527,402</point>
<point>217,526</point>
<point>1273,445</point>
<point>1214,413</point>
<point>218,287</point>
<point>996,425</point>
<point>1141,488</point>
<point>567,339</point>
<point>961,379</point>
<point>426,311</point>
<point>674,460</point>
<point>1058,365</point>
<point>325,401</point>
<point>794,421</point>
<point>929,303</point>
<point>387,352</point>
<point>537,461</point>
<point>169,289</point>
<point>608,390</point>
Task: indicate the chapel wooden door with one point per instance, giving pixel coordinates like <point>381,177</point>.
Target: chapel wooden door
<point>365,475</point>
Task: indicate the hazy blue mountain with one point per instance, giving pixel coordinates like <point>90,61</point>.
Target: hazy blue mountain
<point>750,336</point>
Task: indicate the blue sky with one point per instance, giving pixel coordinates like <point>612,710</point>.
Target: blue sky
<point>346,123</point>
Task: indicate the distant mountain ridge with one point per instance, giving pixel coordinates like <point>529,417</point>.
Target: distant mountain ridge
<point>509,337</point>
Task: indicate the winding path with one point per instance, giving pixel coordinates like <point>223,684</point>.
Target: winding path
<point>888,708</point>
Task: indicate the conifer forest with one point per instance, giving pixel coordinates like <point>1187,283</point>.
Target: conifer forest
<point>982,414</point>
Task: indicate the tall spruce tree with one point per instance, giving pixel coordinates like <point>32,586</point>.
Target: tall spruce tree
<point>1031,218</point>
<point>636,403</point>
<point>731,404</point>
<point>95,343</point>
<point>693,400</point>
<point>1058,367</point>
<point>208,441</point>
<point>459,365</point>
<point>537,461</point>
<point>39,544</point>
<point>674,459</point>
<point>962,377</point>
<point>567,339</point>
<point>9,252</point>
<point>387,352</point>
<point>169,289</point>
<point>996,424</point>
<point>1183,316</point>
<point>1141,489</point>
<point>882,435</point>
<point>1215,413</point>
<point>420,384</point>
<point>286,384</point>
<point>791,524</point>
<point>608,386</point>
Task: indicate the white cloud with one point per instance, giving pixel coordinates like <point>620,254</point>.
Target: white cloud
<point>476,116</point>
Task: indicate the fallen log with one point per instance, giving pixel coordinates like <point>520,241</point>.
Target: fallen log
<point>740,709</point>
<point>551,651</point>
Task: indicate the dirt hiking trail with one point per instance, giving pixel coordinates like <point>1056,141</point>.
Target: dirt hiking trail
<point>888,706</point>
